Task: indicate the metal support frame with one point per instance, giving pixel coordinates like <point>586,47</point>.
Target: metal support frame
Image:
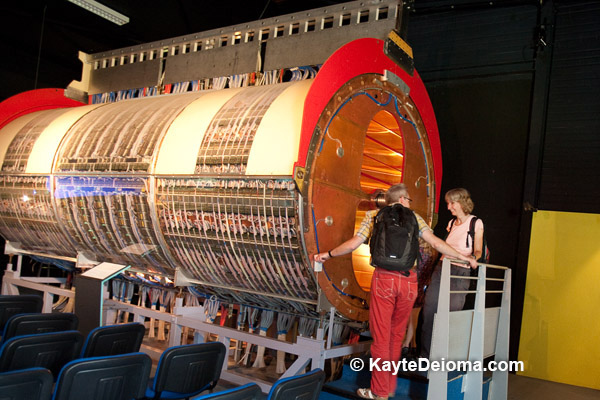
<point>485,333</point>
<point>12,280</point>
<point>288,41</point>
<point>313,351</point>
<point>308,350</point>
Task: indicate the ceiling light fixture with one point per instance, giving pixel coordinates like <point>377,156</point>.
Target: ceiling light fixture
<point>102,10</point>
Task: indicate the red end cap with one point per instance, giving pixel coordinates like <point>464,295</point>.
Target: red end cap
<point>32,101</point>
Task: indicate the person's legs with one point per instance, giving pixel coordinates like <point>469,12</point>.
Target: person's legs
<point>410,340</point>
<point>405,299</point>
<point>384,286</point>
<point>429,309</point>
<point>457,300</point>
<point>410,330</point>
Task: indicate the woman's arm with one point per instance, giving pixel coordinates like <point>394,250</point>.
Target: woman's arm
<point>445,248</point>
<point>478,245</point>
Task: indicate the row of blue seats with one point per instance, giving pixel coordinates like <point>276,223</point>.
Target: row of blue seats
<point>182,373</point>
<point>53,350</point>
<point>18,304</point>
<point>30,323</point>
<point>50,341</point>
<point>301,387</point>
<point>20,316</point>
<point>109,365</point>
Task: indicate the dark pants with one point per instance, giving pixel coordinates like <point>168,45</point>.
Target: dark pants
<point>457,301</point>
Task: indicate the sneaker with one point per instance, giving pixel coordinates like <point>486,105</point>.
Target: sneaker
<point>366,393</point>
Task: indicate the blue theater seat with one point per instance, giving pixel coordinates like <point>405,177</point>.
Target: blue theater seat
<point>46,350</point>
<point>302,387</point>
<point>120,377</point>
<point>26,384</point>
<point>186,371</point>
<point>13,305</point>
<point>111,340</point>
<point>250,391</point>
<point>33,323</point>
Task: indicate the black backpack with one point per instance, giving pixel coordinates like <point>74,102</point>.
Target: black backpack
<point>485,251</point>
<point>394,242</point>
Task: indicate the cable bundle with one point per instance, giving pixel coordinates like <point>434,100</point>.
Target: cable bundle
<point>307,326</point>
<point>252,314</point>
<point>165,300</point>
<point>284,323</point>
<point>154,296</point>
<point>241,320</point>
<point>266,319</point>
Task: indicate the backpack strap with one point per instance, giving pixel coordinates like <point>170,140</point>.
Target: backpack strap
<point>449,229</point>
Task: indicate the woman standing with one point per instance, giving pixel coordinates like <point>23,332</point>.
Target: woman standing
<point>460,205</point>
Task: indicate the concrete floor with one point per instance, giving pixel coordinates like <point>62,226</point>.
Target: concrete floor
<point>519,387</point>
<point>524,388</point>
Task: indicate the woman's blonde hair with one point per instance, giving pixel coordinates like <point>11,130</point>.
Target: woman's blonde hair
<point>463,197</point>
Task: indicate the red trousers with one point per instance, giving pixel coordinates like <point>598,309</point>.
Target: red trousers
<point>392,299</point>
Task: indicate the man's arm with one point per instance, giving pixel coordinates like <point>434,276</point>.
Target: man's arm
<point>347,247</point>
<point>445,248</point>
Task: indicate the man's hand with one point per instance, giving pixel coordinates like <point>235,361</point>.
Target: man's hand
<point>321,257</point>
<point>472,261</point>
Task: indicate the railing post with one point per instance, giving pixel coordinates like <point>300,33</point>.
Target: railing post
<point>438,380</point>
<point>48,299</point>
<point>499,385</point>
<point>175,330</point>
<point>473,380</point>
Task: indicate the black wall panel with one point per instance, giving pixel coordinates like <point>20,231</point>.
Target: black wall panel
<point>514,147</point>
<point>570,174</point>
<point>472,42</point>
<point>478,65</point>
<point>485,124</point>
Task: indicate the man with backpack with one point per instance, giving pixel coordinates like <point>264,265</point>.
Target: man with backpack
<point>394,248</point>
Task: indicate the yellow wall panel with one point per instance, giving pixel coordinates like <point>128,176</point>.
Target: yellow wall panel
<point>560,333</point>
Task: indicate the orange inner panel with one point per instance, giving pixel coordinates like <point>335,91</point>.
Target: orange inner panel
<point>382,167</point>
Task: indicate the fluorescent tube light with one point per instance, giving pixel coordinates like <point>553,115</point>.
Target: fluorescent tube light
<point>102,10</point>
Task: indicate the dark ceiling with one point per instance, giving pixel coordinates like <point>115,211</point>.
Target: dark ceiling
<point>40,39</point>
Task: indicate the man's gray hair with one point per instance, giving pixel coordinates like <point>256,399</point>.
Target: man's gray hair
<point>395,192</point>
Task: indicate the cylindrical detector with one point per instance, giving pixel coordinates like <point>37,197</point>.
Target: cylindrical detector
<point>373,140</point>
<point>235,188</point>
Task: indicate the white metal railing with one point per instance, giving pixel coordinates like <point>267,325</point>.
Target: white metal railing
<point>476,334</point>
<point>12,281</point>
